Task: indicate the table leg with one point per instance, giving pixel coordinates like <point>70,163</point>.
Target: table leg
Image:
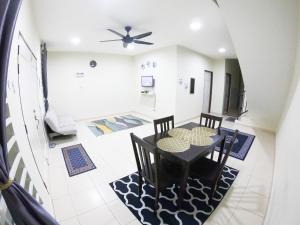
<point>183,184</point>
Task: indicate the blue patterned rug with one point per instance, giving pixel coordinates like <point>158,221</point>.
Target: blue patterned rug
<point>114,124</point>
<point>241,145</point>
<point>77,160</point>
<point>195,209</point>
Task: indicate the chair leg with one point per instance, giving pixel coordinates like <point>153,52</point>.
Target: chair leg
<point>156,200</point>
<point>140,186</point>
<point>212,155</point>
<point>211,195</point>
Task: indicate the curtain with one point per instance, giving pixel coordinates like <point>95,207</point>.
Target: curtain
<point>24,209</point>
<point>44,74</point>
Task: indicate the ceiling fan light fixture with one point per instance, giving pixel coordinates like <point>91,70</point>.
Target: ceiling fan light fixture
<point>130,46</point>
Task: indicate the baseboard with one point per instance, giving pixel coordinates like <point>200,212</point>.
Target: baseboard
<point>255,126</point>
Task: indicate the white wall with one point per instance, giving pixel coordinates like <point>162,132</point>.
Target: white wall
<point>218,86</point>
<point>165,74</point>
<point>171,97</point>
<point>190,65</point>
<point>284,204</point>
<point>104,90</point>
<point>264,36</point>
<point>25,25</point>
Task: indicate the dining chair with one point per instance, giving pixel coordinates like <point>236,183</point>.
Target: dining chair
<point>210,121</point>
<point>213,122</point>
<point>211,171</point>
<point>165,124</point>
<point>152,171</point>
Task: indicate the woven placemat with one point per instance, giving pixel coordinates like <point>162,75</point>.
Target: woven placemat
<point>173,144</point>
<point>180,133</point>
<point>204,131</point>
<point>198,140</point>
<point>201,136</point>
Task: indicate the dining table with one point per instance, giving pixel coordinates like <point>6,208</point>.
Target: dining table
<point>184,145</point>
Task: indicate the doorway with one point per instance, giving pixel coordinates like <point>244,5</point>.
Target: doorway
<point>207,91</point>
<point>30,94</point>
<point>226,101</point>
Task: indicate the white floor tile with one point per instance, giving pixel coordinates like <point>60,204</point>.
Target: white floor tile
<point>121,212</point>
<point>220,216</point>
<point>72,221</point>
<point>79,183</point>
<point>63,208</point>
<point>86,200</point>
<point>107,192</point>
<point>253,202</point>
<point>245,217</point>
<point>135,222</point>
<point>98,216</point>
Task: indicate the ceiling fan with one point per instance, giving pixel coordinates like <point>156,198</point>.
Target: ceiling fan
<point>127,39</point>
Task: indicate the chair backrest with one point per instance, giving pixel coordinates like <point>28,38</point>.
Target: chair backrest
<point>210,121</point>
<point>143,152</point>
<point>165,124</point>
<point>227,147</point>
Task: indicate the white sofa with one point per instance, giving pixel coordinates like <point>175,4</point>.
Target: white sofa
<point>60,124</point>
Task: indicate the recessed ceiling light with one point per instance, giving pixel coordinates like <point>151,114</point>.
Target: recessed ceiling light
<point>75,40</point>
<point>130,46</point>
<point>222,50</point>
<point>195,26</point>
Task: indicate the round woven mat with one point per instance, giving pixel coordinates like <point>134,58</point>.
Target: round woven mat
<point>180,133</point>
<point>201,136</point>
<point>204,131</point>
<point>173,144</point>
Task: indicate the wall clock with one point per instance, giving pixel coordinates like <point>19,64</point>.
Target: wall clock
<point>93,63</point>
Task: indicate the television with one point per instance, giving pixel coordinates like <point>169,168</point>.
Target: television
<point>147,81</point>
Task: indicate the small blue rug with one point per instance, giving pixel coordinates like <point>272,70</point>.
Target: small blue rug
<point>195,209</point>
<point>241,145</point>
<point>77,160</point>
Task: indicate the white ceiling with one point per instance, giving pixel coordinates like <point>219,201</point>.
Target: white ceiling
<point>60,20</point>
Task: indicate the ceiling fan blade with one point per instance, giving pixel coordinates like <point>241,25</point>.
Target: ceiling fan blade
<point>143,42</point>
<point>142,35</point>
<point>111,40</point>
<point>116,32</point>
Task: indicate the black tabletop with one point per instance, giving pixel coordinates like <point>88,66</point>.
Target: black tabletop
<point>188,156</point>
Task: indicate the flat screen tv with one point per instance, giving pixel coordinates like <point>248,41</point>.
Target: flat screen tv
<point>147,81</point>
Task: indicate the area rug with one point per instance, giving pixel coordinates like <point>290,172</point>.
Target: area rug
<point>113,124</point>
<point>241,145</point>
<point>195,209</point>
<point>77,160</point>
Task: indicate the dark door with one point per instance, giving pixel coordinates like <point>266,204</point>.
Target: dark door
<point>227,89</point>
<point>207,91</point>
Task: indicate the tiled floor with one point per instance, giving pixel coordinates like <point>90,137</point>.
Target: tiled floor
<point>87,199</point>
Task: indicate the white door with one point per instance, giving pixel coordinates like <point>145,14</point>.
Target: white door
<point>207,92</point>
<point>30,95</point>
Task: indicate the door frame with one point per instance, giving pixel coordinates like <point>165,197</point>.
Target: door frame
<point>211,87</point>
<point>229,92</point>
<point>21,37</point>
